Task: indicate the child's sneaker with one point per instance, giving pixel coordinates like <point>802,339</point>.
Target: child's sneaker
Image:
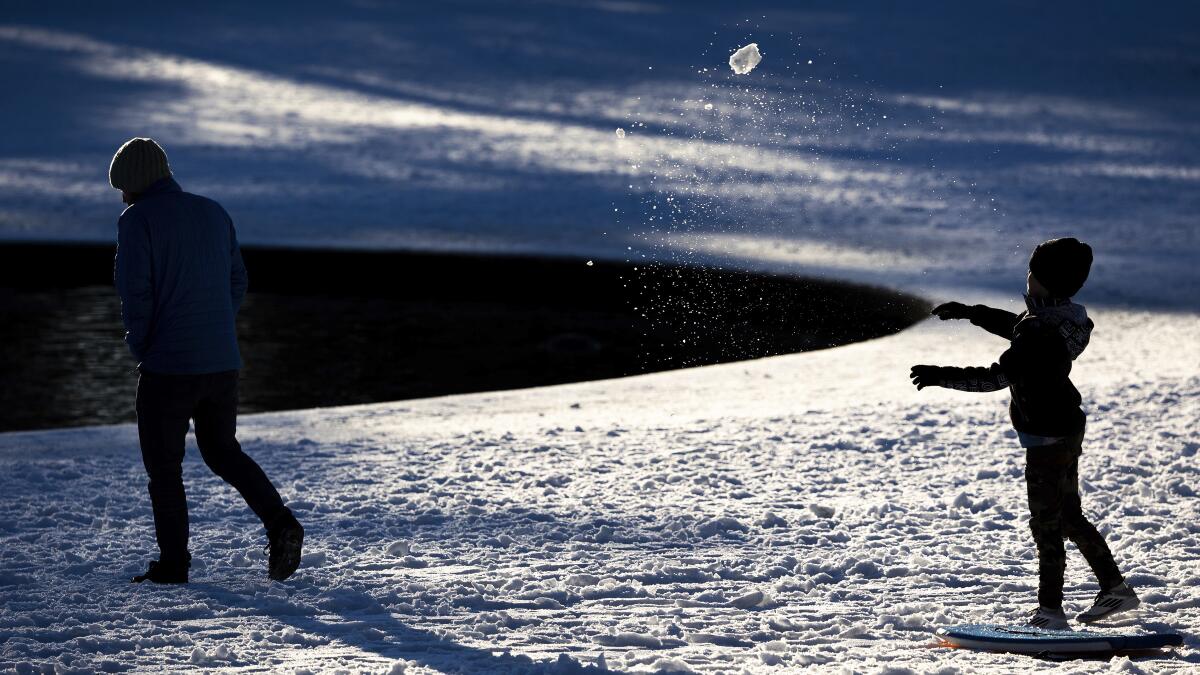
<point>1051,618</point>
<point>1119,599</point>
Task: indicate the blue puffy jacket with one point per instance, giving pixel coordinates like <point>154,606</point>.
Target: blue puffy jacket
<point>181,279</point>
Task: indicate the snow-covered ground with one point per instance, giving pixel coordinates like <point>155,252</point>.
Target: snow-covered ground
<point>638,520</point>
<point>810,509</point>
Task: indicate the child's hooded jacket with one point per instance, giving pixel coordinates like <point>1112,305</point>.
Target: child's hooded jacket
<point>1046,339</point>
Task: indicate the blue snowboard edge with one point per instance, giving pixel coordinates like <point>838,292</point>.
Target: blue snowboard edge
<point>1027,639</point>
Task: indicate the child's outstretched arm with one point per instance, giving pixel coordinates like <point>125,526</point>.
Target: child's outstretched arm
<point>973,379</point>
<point>1029,357</point>
<point>995,321</point>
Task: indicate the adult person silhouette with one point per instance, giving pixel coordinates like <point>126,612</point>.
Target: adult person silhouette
<point>181,279</point>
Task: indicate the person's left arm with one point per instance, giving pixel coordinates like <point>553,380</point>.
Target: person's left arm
<point>973,379</point>
<point>1024,359</point>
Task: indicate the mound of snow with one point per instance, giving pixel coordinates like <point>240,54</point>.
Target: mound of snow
<point>673,665</point>
<point>629,639</point>
<point>751,599</point>
<point>719,526</point>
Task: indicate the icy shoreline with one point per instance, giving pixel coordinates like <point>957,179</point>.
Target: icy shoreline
<point>424,325</point>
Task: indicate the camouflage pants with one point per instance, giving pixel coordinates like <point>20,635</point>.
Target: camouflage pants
<point>1055,514</point>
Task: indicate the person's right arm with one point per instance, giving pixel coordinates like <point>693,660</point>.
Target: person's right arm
<point>238,282</point>
<point>133,275</point>
<point>995,321</point>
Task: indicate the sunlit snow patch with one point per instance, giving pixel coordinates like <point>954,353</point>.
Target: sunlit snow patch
<point>745,59</point>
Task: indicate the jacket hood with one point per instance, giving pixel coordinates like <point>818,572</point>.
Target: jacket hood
<point>1069,319</point>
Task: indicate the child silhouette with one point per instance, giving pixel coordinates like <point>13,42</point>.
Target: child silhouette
<point>1045,410</point>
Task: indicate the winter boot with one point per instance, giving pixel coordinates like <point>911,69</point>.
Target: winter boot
<point>168,572</point>
<point>286,538</point>
<point>1050,618</point>
<point>1119,599</point>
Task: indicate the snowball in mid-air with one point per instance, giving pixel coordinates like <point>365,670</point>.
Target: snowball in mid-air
<point>620,133</point>
<point>745,59</point>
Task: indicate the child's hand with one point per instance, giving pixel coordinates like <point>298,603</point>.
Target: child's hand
<point>926,376</point>
<point>951,310</point>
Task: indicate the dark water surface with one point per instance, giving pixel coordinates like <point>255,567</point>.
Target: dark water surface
<point>322,328</point>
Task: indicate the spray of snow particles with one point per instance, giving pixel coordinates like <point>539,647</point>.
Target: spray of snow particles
<point>793,151</point>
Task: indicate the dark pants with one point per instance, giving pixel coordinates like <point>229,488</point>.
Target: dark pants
<point>165,404</point>
<point>1055,514</point>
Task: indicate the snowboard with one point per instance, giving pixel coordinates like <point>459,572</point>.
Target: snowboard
<point>1042,641</point>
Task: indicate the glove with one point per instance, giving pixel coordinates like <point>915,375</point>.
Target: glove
<point>952,310</point>
<point>927,376</point>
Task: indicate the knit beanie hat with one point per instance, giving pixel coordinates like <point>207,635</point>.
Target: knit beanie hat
<point>137,165</point>
<point>1061,265</point>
